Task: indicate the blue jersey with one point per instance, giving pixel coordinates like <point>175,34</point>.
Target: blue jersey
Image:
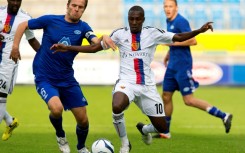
<point>180,56</point>
<point>57,68</point>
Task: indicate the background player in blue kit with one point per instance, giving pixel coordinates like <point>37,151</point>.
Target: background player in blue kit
<point>178,75</point>
<point>54,75</point>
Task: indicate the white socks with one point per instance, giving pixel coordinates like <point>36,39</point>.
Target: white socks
<point>2,107</point>
<point>119,124</point>
<point>3,113</point>
<point>149,128</point>
<point>8,118</point>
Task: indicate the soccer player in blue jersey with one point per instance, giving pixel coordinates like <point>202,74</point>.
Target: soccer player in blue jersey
<point>54,75</point>
<point>10,17</point>
<point>178,75</point>
<point>136,82</point>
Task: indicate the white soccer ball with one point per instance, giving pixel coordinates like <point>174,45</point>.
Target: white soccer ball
<point>102,146</point>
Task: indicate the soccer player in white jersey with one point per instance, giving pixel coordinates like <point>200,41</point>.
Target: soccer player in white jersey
<point>136,82</point>
<point>10,17</point>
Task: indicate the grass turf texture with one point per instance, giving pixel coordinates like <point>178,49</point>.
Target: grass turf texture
<point>193,131</point>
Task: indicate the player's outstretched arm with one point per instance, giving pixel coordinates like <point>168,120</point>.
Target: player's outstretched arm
<point>187,35</point>
<point>83,49</point>
<point>15,53</point>
<point>108,43</point>
<point>93,48</point>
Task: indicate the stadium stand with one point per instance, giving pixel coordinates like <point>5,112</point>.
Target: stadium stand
<point>218,18</point>
<point>226,14</point>
<point>230,12</point>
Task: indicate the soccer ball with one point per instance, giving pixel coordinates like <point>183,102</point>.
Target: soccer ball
<point>102,146</point>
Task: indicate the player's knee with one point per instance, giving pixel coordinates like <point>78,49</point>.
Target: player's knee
<point>56,111</point>
<point>189,102</point>
<point>116,109</point>
<point>166,98</point>
<point>83,122</point>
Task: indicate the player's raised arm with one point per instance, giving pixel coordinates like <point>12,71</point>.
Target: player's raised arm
<point>93,48</point>
<point>187,35</point>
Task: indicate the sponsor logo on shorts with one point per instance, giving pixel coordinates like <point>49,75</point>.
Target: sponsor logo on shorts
<point>186,89</point>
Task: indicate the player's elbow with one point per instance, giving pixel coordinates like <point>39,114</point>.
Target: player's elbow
<point>194,42</point>
<point>178,38</point>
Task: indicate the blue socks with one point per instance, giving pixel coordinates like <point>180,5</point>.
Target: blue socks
<point>82,133</point>
<point>57,124</point>
<point>168,121</point>
<point>216,112</point>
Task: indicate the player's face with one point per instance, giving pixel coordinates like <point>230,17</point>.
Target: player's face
<point>135,20</point>
<point>13,6</point>
<point>75,10</point>
<point>170,9</point>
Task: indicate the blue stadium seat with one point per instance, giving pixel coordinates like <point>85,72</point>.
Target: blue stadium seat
<point>129,1</point>
<point>149,17</point>
<point>233,1</point>
<point>236,19</point>
<point>218,18</point>
<point>183,1</point>
<point>200,1</point>
<point>216,1</point>
<point>147,1</point>
<point>185,13</point>
<point>199,17</point>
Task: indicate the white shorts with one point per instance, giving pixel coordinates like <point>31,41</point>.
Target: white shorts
<point>8,75</point>
<point>145,97</point>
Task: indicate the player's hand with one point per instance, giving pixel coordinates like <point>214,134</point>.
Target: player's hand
<point>108,42</point>
<point>59,48</point>
<point>206,26</point>
<point>15,54</point>
<point>1,37</point>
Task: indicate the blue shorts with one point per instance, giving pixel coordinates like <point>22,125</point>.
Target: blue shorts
<point>179,80</point>
<point>71,97</point>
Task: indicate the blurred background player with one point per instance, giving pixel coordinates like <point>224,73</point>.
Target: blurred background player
<point>178,75</point>
<point>54,74</point>
<point>10,17</point>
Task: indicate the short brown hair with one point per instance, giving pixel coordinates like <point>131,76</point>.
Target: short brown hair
<point>86,3</point>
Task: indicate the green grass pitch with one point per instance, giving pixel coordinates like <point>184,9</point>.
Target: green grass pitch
<point>193,131</point>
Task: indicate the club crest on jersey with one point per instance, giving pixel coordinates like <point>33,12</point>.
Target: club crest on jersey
<point>172,27</point>
<point>135,46</point>
<point>77,32</point>
<point>7,28</point>
<point>65,40</point>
